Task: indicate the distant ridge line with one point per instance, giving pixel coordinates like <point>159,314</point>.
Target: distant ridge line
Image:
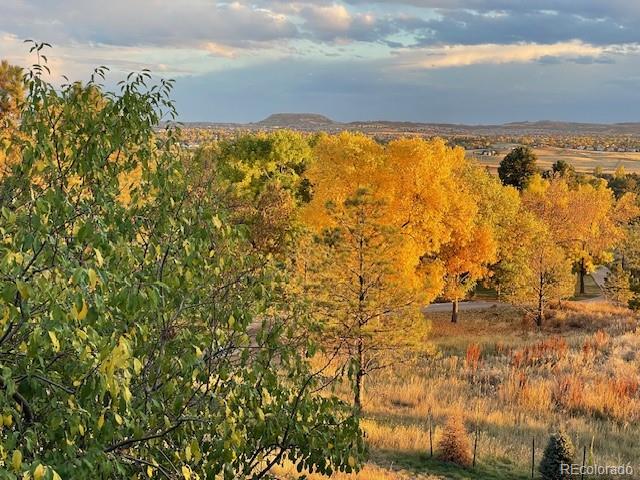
<point>318,122</point>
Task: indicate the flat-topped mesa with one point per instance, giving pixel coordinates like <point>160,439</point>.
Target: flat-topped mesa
<point>297,120</point>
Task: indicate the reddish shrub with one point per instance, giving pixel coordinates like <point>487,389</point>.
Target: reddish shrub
<point>454,444</point>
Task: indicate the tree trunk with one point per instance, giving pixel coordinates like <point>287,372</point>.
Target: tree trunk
<point>541,291</point>
<point>582,273</point>
<point>540,313</point>
<point>362,295</point>
<point>359,383</point>
<point>454,311</point>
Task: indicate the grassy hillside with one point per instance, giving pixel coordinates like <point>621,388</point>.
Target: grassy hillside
<point>514,383</point>
<point>583,161</point>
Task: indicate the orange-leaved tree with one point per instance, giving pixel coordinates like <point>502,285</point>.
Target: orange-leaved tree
<point>475,223</point>
<point>376,211</point>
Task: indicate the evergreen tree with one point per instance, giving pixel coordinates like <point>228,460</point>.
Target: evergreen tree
<point>558,451</point>
<point>562,168</point>
<point>454,444</point>
<point>617,286</point>
<point>518,167</point>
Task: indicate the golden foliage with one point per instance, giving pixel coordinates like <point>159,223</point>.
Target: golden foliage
<point>585,220</point>
<point>413,180</point>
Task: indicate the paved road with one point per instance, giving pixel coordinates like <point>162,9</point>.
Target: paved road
<point>598,277</point>
<point>463,306</point>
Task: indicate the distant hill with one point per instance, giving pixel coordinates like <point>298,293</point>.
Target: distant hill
<point>297,120</point>
<point>627,128</point>
<point>313,122</point>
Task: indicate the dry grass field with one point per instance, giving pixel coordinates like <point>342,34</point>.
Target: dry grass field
<point>583,161</point>
<point>514,384</point>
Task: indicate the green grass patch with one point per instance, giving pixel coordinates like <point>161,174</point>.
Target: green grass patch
<point>491,469</point>
<point>484,293</point>
<point>591,289</point>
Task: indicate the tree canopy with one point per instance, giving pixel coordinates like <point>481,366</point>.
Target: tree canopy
<point>139,332</point>
<point>12,90</point>
<point>518,166</point>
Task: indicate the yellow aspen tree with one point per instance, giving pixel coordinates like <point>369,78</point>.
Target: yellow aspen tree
<point>12,91</point>
<point>544,271</point>
<point>475,222</point>
<point>376,211</point>
<point>463,261</point>
<point>595,230</point>
<point>534,268</point>
<point>582,220</point>
<point>499,206</point>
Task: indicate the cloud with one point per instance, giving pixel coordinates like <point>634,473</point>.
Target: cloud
<point>450,56</point>
<point>219,50</point>
<point>469,27</point>
<point>331,18</point>
<point>506,21</point>
<point>186,23</point>
<point>78,60</point>
<point>335,22</point>
<point>382,58</point>
<point>586,8</point>
<point>236,28</point>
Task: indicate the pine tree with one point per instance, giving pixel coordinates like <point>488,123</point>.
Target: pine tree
<point>376,211</point>
<point>558,451</point>
<point>617,286</point>
<point>454,444</point>
<point>369,317</point>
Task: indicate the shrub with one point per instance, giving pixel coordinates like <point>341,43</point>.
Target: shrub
<point>595,344</point>
<point>558,451</point>
<point>546,352</point>
<point>454,444</point>
<point>473,356</point>
<point>530,395</point>
<point>568,392</point>
<point>124,290</point>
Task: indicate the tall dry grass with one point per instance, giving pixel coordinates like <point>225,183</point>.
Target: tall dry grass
<point>516,383</point>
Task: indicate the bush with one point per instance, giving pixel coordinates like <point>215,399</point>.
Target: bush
<point>617,286</point>
<point>454,444</point>
<point>138,325</point>
<point>558,451</point>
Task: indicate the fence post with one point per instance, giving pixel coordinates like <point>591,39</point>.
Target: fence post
<point>475,447</point>
<point>430,433</point>
<point>533,456</point>
<point>584,460</point>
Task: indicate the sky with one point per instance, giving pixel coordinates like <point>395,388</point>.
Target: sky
<point>451,61</point>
